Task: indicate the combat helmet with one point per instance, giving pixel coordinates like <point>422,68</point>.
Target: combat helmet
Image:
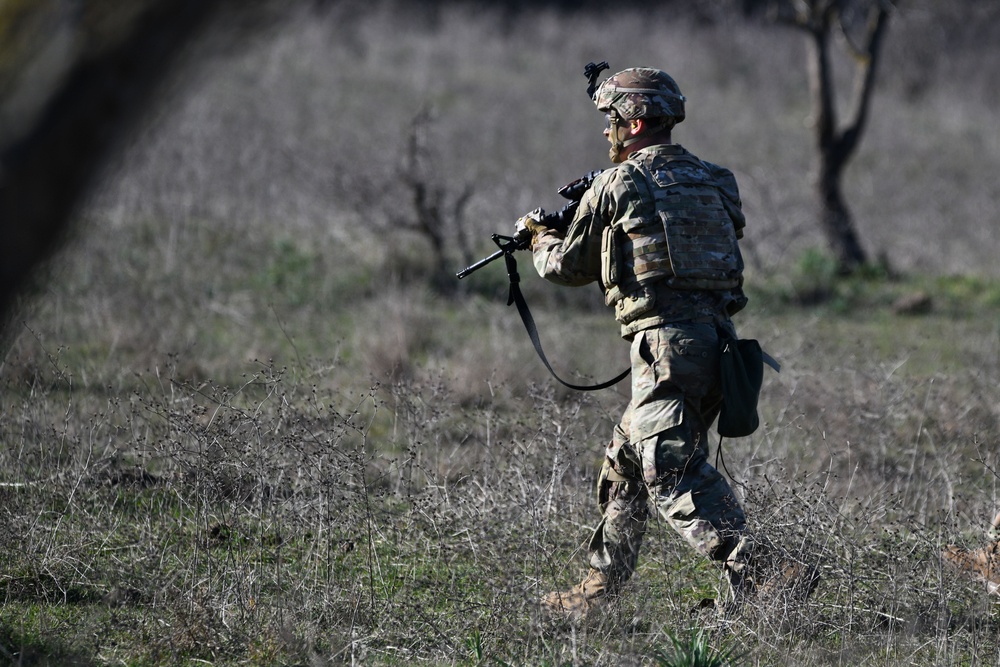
<point>639,92</point>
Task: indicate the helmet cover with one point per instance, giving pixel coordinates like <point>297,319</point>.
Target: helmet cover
<point>641,92</point>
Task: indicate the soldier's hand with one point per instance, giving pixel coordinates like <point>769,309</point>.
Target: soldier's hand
<point>530,224</point>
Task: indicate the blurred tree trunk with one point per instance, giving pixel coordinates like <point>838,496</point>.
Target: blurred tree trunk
<point>47,168</point>
<point>122,53</point>
<point>863,24</point>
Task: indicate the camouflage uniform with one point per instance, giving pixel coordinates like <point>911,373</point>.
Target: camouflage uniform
<point>659,450</point>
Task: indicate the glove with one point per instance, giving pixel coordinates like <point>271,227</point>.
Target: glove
<point>530,224</point>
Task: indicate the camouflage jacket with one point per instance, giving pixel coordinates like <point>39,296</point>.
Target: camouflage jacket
<point>623,194</point>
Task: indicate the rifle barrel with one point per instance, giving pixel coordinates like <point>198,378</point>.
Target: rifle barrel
<point>480,264</point>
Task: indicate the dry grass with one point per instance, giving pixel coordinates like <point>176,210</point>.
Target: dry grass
<point>239,428</point>
<point>284,518</point>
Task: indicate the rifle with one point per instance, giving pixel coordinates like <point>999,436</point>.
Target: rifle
<point>558,221</point>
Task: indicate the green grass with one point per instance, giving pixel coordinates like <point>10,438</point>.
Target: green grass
<point>694,651</point>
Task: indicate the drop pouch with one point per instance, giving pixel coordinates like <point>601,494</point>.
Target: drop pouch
<point>742,366</point>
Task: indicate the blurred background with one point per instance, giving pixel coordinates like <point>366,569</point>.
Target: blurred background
<point>248,134</point>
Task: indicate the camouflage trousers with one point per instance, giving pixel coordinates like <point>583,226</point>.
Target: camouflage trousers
<point>659,453</point>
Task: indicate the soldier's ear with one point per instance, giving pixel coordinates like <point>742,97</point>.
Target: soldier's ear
<point>637,126</point>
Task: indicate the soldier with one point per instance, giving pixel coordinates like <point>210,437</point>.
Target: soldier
<point>658,232</point>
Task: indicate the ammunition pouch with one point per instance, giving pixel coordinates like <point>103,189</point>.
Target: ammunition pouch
<point>634,305</point>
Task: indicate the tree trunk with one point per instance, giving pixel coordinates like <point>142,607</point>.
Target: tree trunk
<point>836,221</point>
<point>834,217</point>
<point>46,172</point>
<point>834,148</point>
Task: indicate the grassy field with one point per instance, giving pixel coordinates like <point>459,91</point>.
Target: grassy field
<point>245,421</point>
<point>299,511</point>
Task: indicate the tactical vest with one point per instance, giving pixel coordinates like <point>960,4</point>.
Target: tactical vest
<point>686,239</point>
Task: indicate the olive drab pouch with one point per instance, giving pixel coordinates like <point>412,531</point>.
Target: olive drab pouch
<point>742,367</point>
<point>610,257</point>
<point>634,305</point>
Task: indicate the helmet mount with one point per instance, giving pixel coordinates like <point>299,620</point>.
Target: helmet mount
<point>592,71</point>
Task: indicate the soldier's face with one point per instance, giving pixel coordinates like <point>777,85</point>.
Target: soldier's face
<point>612,130</point>
<point>609,126</point>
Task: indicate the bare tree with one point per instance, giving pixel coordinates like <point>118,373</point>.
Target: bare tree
<point>863,25</point>
<point>436,212</point>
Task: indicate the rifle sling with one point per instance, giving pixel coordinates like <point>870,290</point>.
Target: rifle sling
<point>515,297</point>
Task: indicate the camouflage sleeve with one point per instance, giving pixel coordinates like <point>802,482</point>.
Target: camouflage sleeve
<point>575,259</point>
<point>726,182</point>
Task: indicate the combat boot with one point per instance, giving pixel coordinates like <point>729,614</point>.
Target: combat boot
<point>982,564</point>
<point>580,600</point>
